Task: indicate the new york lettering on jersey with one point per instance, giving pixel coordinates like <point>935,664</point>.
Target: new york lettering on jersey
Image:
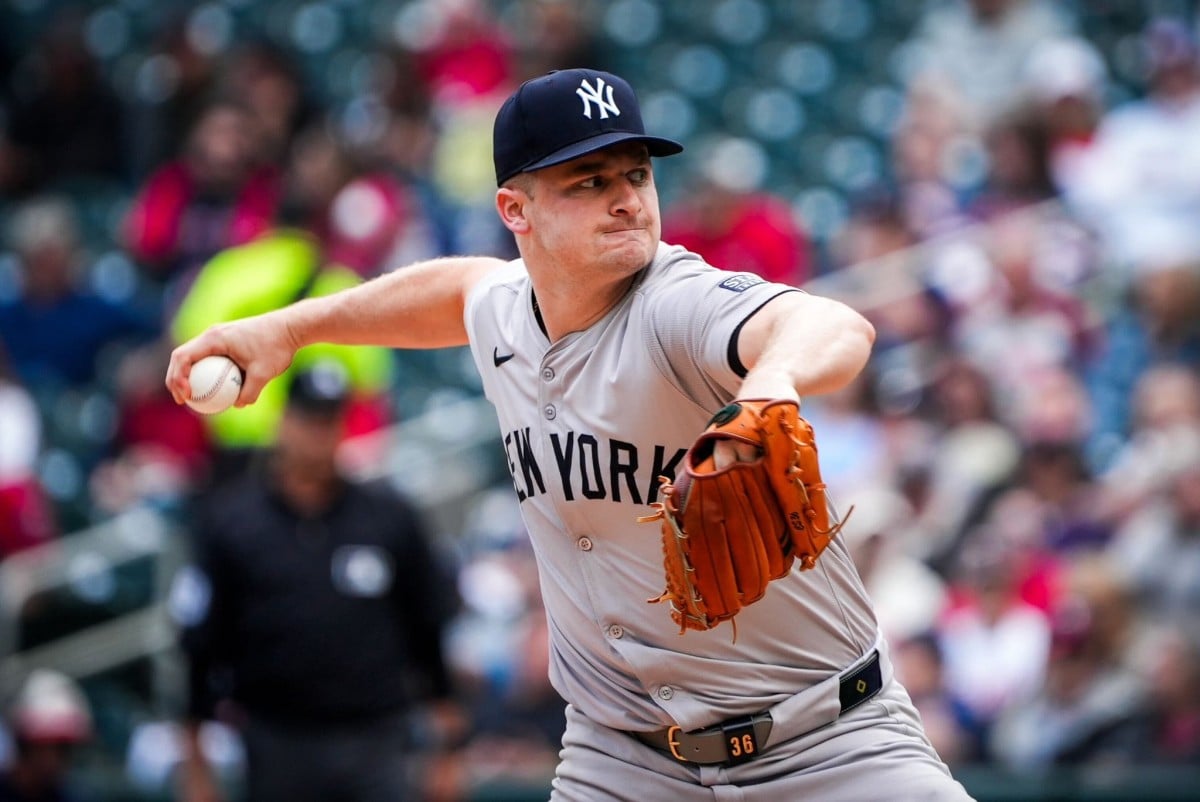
<point>591,466</point>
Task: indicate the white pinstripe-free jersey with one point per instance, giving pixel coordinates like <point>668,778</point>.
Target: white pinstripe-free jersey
<point>588,424</point>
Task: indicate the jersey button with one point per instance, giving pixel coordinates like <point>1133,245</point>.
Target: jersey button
<point>547,374</point>
<point>584,543</point>
<point>550,412</point>
<point>616,631</point>
<point>666,692</point>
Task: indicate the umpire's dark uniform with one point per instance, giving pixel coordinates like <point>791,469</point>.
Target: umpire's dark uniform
<point>322,626</point>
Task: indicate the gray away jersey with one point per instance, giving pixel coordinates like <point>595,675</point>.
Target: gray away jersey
<point>588,425</point>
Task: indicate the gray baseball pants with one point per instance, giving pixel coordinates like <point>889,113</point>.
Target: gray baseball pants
<point>876,751</point>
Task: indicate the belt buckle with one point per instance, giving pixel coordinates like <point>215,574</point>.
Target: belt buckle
<point>741,745</point>
<point>673,742</point>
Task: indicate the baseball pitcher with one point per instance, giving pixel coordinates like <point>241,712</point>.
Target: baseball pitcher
<point>708,629</point>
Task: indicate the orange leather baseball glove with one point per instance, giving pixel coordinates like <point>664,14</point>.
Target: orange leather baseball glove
<point>727,533</point>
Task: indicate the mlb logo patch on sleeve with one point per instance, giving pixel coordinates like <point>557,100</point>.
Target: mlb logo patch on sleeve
<point>741,282</point>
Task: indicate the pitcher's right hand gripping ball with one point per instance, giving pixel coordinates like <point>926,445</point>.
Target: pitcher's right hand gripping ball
<point>727,533</point>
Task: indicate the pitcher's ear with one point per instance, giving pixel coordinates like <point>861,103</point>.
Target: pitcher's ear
<point>510,204</point>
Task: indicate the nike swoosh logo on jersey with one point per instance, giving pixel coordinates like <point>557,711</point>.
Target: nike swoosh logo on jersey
<point>498,359</point>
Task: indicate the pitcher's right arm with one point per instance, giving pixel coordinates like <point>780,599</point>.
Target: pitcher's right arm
<point>420,306</point>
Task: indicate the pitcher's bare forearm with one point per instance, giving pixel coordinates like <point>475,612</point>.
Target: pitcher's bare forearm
<point>414,307</point>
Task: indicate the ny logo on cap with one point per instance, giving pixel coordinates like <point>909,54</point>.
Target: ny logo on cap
<point>604,101</point>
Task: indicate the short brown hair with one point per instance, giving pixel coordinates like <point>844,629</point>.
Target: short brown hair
<point>521,181</point>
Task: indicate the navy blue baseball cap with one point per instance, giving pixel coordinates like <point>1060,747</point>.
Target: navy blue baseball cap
<point>565,114</point>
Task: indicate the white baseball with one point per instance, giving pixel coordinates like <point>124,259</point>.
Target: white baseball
<point>215,383</point>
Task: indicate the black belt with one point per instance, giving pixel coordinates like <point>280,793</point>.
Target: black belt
<point>740,739</point>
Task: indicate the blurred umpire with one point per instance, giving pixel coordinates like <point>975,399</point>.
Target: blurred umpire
<point>311,619</point>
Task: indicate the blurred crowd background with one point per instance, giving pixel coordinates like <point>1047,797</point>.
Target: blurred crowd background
<point>1009,189</point>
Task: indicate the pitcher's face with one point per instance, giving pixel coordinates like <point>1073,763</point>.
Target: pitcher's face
<point>596,214</point>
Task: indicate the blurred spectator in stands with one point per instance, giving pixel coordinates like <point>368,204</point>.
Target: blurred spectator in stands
<point>409,141</point>
<point>1159,325</point>
<point>161,450</point>
<point>214,195</point>
<point>854,445</point>
<point>465,60</point>
<point>406,148</point>
<point>881,254</point>
<point>265,80</point>
<point>1157,549</point>
<point>1169,731</point>
<point>1018,157</point>
<point>979,49</point>
<point>879,270</point>
<point>312,619</point>
<point>908,597</point>
<point>365,218</point>
<point>319,174</point>
<point>731,221</point>
<point>65,122</point>
<point>176,84</point>
<point>1065,82</point>
<point>1165,420</point>
<point>874,231</point>
<point>26,518</point>
<point>1054,482</point>
<point>556,35</point>
<point>920,667</point>
<point>49,719</point>
<point>932,126</point>
<point>1047,508</point>
<point>1138,185</point>
<point>974,454</point>
<point>994,643</point>
<point>54,329</point>
<point>1086,711</point>
<point>1052,408</point>
<point>464,54</point>
<point>1019,318</point>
